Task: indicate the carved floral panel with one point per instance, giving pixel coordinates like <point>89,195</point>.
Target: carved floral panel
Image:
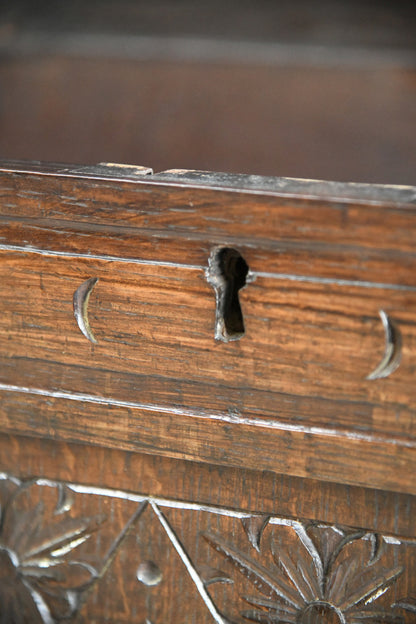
<point>78,554</point>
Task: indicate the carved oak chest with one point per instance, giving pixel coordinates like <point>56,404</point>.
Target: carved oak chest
<point>207,398</point>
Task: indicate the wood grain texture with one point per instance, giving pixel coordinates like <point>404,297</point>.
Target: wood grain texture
<point>255,491</point>
<point>125,535</point>
<point>323,261</point>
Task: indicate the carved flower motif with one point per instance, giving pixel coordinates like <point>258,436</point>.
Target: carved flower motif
<point>336,579</point>
<point>39,584</point>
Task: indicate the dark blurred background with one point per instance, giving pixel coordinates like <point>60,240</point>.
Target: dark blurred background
<point>302,88</point>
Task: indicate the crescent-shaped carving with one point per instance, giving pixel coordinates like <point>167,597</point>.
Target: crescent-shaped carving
<point>393,350</point>
<point>81,299</point>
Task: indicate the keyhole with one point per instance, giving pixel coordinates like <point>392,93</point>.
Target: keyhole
<point>227,273</point>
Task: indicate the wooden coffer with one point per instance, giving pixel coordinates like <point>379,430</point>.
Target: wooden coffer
<point>207,388</point>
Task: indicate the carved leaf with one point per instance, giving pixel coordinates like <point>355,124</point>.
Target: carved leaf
<point>36,543</point>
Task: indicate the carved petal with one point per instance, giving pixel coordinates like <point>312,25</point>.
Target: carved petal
<point>375,617</point>
<point>331,541</point>
<point>377,547</point>
<point>65,499</point>
<point>326,540</point>
<point>303,573</point>
<point>213,575</point>
<point>31,517</point>
<point>264,580</point>
<point>62,604</point>
<point>60,586</point>
<point>271,605</point>
<point>254,527</point>
<point>21,524</point>
<point>35,532</point>
<point>65,575</point>
<point>39,537</point>
<point>340,578</point>
<point>371,588</point>
<point>268,618</point>
<point>61,537</point>
<point>298,580</point>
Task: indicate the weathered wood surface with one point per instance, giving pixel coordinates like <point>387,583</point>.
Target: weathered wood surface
<point>290,396</point>
<point>209,485</point>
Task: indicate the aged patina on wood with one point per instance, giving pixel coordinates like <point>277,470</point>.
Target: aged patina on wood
<point>264,329</point>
